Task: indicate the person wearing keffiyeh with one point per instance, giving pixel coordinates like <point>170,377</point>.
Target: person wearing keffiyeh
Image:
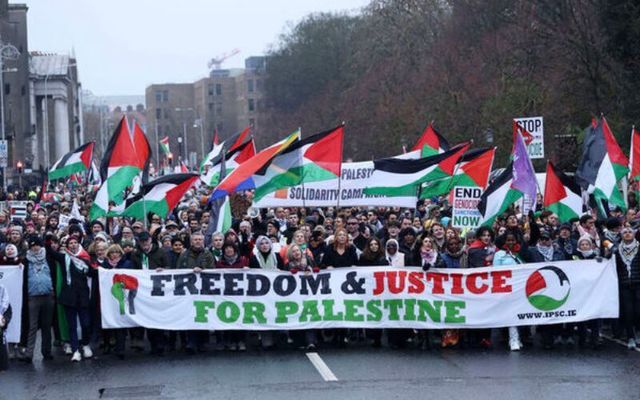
<point>628,268</point>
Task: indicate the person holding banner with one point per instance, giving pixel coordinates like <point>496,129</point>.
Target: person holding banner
<point>393,254</point>
<point>509,254</point>
<point>585,251</point>
<point>231,259</point>
<point>628,267</point>
<point>264,257</point>
<point>373,255</point>
<point>480,254</point>
<point>5,318</point>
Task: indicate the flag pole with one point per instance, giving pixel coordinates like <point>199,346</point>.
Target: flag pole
<point>304,197</point>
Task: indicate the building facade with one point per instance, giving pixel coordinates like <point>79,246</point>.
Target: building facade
<point>226,101</point>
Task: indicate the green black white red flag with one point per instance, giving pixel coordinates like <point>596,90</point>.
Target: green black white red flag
<point>431,142</point>
<point>313,159</point>
<point>126,158</point>
<point>159,196</point>
<point>562,195</point>
<point>402,177</point>
<point>603,165</point>
<point>74,162</point>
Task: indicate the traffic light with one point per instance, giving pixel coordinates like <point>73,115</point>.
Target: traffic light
<point>170,158</point>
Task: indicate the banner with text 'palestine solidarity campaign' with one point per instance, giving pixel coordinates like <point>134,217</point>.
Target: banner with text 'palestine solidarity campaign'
<point>360,297</point>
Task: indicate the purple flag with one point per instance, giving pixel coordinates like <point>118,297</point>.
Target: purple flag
<point>524,177</point>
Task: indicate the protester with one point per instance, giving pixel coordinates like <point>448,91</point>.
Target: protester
<point>628,267</point>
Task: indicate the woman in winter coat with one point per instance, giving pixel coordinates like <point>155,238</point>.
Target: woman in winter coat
<point>74,294</point>
<point>395,257</point>
<point>5,318</point>
<point>231,258</point>
<point>373,254</point>
<point>628,268</point>
<point>509,254</point>
<point>264,257</point>
<point>585,250</point>
<point>341,253</point>
<point>115,259</point>
<point>425,254</point>
<point>301,262</point>
<point>482,249</point>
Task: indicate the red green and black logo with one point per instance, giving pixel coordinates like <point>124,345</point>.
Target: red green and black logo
<point>125,287</point>
<point>548,288</point>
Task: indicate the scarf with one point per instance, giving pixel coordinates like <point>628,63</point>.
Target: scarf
<point>613,237</point>
<point>428,257</point>
<point>37,260</point>
<point>628,252</point>
<point>113,264</point>
<point>299,264</point>
<point>230,260</point>
<point>546,251</point>
<point>457,254</point>
<point>586,254</point>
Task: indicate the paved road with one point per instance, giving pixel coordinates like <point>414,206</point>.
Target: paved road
<point>361,372</point>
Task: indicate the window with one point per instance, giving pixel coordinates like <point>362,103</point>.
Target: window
<point>159,128</point>
<point>7,88</point>
<point>258,84</point>
<point>23,91</point>
<point>252,105</point>
<point>158,113</point>
<point>167,130</point>
<point>159,96</point>
<point>252,122</point>
<point>219,127</point>
<point>219,109</point>
<point>211,89</point>
<point>166,113</point>
<point>165,96</point>
<point>250,86</point>
<point>210,106</point>
<point>218,89</point>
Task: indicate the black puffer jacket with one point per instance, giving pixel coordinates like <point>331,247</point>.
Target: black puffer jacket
<point>628,277</point>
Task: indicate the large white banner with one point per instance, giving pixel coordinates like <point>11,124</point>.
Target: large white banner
<point>360,297</point>
<point>11,279</point>
<point>349,192</point>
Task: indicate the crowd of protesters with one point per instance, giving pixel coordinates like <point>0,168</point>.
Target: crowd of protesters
<point>60,268</point>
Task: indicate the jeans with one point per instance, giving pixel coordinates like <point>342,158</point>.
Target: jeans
<point>73,314</point>
<point>40,316</point>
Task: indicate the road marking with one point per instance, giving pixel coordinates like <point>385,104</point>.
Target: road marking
<point>322,367</point>
<point>618,341</point>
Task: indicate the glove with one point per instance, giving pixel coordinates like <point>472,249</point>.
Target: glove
<point>426,267</point>
<point>294,270</point>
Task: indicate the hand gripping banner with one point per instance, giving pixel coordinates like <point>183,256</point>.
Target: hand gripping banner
<point>360,297</point>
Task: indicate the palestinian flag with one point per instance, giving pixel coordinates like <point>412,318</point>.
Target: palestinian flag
<point>241,177</point>
<point>316,158</point>
<point>164,145</point>
<point>72,163</point>
<point>159,196</point>
<point>232,144</point>
<point>125,159</point>
<point>431,142</point>
<point>93,177</point>
<point>183,167</point>
<point>472,170</point>
<point>498,197</point>
<point>634,159</point>
<point>562,195</point>
<point>232,159</point>
<point>398,177</point>
<point>602,166</point>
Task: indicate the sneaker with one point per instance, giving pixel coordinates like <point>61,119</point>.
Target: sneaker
<point>514,345</point>
<point>311,347</point>
<point>67,349</point>
<point>631,344</point>
<point>242,346</point>
<point>86,352</point>
<point>76,357</point>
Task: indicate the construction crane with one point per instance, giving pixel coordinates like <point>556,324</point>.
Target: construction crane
<point>216,62</point>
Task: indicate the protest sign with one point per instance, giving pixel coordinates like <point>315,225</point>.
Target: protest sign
<point>465,212</point>
<point>363,297</point>
<point>535,143</point>
<point>349,192</point>
<point>11,278</point>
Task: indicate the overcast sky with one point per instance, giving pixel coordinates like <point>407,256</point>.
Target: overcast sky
<point>124,45</point>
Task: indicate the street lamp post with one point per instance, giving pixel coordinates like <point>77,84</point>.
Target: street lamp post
<point>184,132</point>
<point>199,123</point>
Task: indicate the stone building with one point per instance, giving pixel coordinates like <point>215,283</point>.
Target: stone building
<point>226,101</point>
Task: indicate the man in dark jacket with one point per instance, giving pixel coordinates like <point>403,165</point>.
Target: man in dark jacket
<point>196,257</point>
